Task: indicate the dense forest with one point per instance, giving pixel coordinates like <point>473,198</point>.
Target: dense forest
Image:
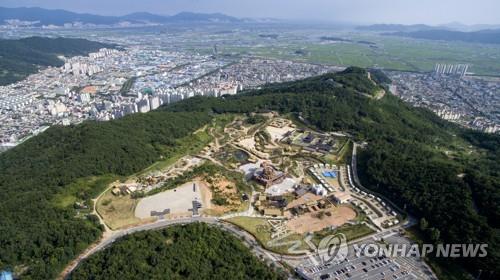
<point>37,235</point>
<point>22,57</point>
<point>194,251</point>
<point>432,168</point>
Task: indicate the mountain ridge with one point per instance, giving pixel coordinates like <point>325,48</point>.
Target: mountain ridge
<point>395,27</point>
<point>39,17</point>
<point>489,36</point>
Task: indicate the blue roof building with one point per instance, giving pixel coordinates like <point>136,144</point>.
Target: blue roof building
<point>6,275</point>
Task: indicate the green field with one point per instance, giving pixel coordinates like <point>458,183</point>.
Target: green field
<point>352,232</point>
<point>188,145</point>
<point>261,230</point>
<point>82,190</point>
<point>119,211</point>
<point>393,53</point>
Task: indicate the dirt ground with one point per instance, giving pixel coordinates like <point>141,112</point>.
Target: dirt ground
<point>206,194</point>
<point>248,143</point>
<point>310,222</point>
<point>278,133</point>
<point>227,188</point>
<point>178,200</point>
<point>308,197</point>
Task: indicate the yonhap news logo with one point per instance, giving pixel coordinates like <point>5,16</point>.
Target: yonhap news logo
<point>414,250</point>
<point>333,248</point>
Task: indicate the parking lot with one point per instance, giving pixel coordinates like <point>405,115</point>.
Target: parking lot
<point>364,267</point>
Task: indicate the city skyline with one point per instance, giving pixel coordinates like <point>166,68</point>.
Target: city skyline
<point>357,11</point>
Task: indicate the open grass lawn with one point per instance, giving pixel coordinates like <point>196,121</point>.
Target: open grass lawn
<point>261,230</point>
<point>118,211</point>
<point>351,232</point>
<point>191,144</point>
<point>82,189</point>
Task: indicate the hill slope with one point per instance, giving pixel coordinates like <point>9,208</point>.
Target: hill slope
<point>46,17</point>
<point>35,232</point>
<point>22,57</point>
<point>39,17</point>
<point>395,27</point>
<point>413,157</point>
<point>424,164</point>
<point>194,251</point>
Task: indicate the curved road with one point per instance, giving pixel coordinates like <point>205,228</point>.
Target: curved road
<point>107,241</point>
<point>249,239</point>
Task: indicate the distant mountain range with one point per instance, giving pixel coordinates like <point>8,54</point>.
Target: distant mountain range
<point>396,27</point>
<point>457,26</point>
<point>452,26</point>
<point>447,32</point>
<point>483,36</point>
<point>40,17</point>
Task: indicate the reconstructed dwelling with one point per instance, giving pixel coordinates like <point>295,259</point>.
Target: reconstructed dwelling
<point>268,175</point>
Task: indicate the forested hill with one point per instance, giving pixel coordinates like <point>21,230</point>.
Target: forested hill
<point>195,251</point>
<point>437,171</point>
<point>22,57</point>
<point>37,235</point>
<point>334,102</point>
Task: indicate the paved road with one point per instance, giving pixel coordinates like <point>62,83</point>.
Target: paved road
<point>246,237</point>
<point>410,219</point>
<point>107,241</point>
<point>157,225</point>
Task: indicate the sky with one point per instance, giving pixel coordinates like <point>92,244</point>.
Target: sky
<point>349,11</point>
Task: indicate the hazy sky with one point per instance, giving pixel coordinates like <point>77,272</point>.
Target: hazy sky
<point>355,11</point>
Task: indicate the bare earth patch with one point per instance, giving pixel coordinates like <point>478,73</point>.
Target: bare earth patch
<point>307,198</point>
<point>310,222</point>
<point>248,143</point>
<point>178,200</point>
<point>219,185</point>
<point>277,133</point>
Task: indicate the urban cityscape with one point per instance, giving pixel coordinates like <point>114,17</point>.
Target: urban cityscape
<point>110,84</point>
<point>467,100</point>
<point>249,140</point>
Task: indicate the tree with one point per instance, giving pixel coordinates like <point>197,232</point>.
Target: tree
<point>423,224</point>
<point>194,251</point>
<point>434,234</point>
